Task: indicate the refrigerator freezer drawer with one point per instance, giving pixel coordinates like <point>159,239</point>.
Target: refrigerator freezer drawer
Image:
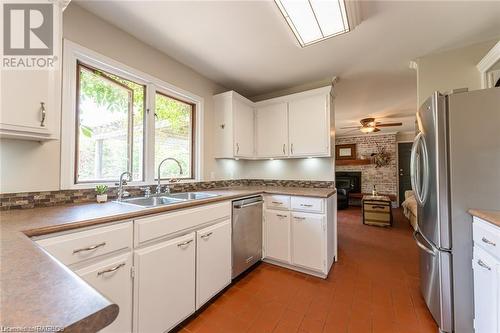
<point>435,283</point>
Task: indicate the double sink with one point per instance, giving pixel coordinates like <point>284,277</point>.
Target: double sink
<point>168,199</point>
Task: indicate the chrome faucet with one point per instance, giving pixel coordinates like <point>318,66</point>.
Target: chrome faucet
<point>121,192</point>
<point>167,188</point>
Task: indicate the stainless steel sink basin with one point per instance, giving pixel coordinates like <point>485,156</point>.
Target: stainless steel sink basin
<point>192,195</point>
<point>152,201</point>
<point>167,199</point>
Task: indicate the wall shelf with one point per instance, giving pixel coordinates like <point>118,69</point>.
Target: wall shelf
<point>353,162</point>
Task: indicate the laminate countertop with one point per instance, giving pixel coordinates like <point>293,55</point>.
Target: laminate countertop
<point>37,290</point>
<point>492,216</point>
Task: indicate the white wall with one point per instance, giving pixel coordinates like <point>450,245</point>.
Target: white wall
<point>31,166</point>
<point>449,70</point>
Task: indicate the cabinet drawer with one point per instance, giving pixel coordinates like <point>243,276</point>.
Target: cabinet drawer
<point>82,245</point>
<point>306,204</point>
<point>277,202</point>
<point>161,225</point>
<point>486,236</point>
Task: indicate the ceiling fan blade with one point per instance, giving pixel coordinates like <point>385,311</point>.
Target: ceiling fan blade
<point>347,127</point>
<point>389,124</point>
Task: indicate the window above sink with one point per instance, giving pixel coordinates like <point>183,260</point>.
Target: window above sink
<point>118,119</point>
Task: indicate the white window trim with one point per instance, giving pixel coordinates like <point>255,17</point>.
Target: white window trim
<point>72,53</point>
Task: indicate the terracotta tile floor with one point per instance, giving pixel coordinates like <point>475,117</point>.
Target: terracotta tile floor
<point>372,288</point>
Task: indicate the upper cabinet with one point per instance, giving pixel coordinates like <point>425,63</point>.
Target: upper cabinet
<point>235,126</point>
<point>272,130</point>
<point>309,128</point>
<point>292,126</point>
<point>30,98</point>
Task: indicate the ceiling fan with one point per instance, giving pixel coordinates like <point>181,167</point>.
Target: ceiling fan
<point>369,125</point>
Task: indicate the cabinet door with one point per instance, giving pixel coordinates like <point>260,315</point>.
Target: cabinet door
<point>164,286</point>
<point>277,235</point>
<point>308,241</point>
<point>272,130</point>
<point>486,292</point>
<point>23,91</point>
<point>309,126</point>
<point>213,261</point>
<point>243,127</point>
<point>112,278</point>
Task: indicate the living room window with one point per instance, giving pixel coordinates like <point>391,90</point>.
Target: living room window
<point>118,119</point>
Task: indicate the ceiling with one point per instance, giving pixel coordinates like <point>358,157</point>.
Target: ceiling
<point>247,46</point>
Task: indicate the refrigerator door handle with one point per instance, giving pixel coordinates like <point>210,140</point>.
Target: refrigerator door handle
<point>421,245</point>
<point>420,194</point>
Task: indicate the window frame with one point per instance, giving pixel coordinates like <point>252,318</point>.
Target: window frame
<point>193,136</point>
<point>130,124</point>
<point>74,53</point>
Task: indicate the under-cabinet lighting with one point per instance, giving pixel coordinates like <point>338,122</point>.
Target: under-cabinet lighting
<point>315,20</point>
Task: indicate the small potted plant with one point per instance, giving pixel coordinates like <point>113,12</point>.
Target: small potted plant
<point>102,195</point>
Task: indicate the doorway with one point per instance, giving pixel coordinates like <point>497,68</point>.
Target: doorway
<point>404,152</point>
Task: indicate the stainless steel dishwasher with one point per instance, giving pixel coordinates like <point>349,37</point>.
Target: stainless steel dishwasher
<point>247,233</point>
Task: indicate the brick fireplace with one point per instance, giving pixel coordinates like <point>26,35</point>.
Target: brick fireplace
<point>384,178</point>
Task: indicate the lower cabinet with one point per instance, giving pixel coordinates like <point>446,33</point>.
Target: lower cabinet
<point>112,278</point>
<point>277,235</point>
<point>302,234</point>
<point>164,285</point>
<point>486,268</point>
<point>213,261</point>
<point>308,241</point>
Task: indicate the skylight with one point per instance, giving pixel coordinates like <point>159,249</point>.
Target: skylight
<point>315,20</point>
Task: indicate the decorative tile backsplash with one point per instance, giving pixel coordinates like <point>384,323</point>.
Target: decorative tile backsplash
<point>54,198</point>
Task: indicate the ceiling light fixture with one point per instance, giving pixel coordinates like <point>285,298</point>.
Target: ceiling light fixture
<point>367,129</point>
<point>315,20</point>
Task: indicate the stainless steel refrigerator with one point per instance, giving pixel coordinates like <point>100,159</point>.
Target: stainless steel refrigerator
<point>455,166</point>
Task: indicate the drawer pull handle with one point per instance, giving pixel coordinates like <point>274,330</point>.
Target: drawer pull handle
<point>299,218</point>
<point>117,267</point>
<point>306,205</point>
<point>277,202</point>
<point>90,248</point>
<point>206,235</point>
<point>184,243</point>
<point>284,153</point>
<point>482,264</point>
<point>44,114</point>
<point>281,215</point>
<point>487,241</point>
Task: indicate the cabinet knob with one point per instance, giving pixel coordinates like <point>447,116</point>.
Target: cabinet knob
<point>44,114</point>
<point>291,148</point>
<point>284,146</point>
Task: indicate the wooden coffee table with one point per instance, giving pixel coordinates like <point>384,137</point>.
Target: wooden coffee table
<point>377,210</point>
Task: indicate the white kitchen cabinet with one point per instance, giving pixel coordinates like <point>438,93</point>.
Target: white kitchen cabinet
<point>300,233</point>
<point>30,99</point>
<point>112,278</point>
<point>486,268</point>
<point>309,126</point>
<point>277,235</point>
<point>486,292</point>
<point>308,241</point>
<point>292,126</point>
<point>164,285</point>
<point>235,126</point>
<point>213,261</point>
<point>272,130</point>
